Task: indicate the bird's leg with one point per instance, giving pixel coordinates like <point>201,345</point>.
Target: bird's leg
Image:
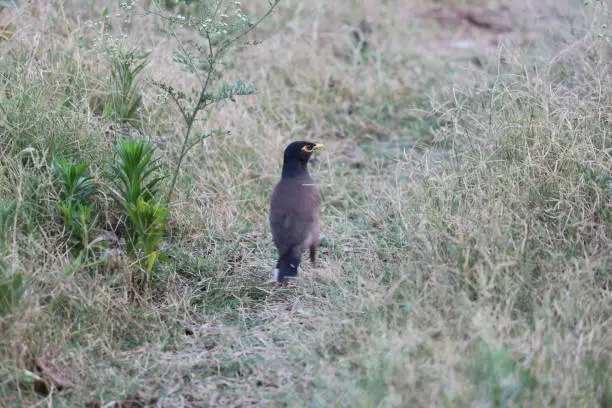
<point>313,256</point>
<point>287,266</point>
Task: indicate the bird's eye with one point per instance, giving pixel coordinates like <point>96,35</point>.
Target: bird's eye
<point>307,148</point>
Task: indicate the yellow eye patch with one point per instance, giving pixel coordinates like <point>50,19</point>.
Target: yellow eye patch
<point>312,148</point>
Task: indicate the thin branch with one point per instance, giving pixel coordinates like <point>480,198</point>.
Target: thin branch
<point>178,104</point>
<point>248,30</point>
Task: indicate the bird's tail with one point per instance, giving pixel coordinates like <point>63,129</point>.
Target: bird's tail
<point>287,266</point>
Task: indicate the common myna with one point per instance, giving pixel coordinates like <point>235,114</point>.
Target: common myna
<point>294,211</point>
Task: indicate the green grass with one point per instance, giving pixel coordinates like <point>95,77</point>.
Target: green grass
<point>466,257</point>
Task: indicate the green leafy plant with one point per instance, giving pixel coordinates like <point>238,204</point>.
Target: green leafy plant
<point>136,170</point>
<point>76,182</point>
<point>137,177</point>
<point>220,24</point>
<point>77,189</point>
<point>150,220</point>
<point>125,100</point>
<point>77,217</point>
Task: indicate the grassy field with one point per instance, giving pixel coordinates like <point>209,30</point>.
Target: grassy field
<point>466,256</point>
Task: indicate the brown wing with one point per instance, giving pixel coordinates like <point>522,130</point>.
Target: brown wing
<point>294,215</point>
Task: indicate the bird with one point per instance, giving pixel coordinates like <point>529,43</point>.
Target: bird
<point>294,211</point>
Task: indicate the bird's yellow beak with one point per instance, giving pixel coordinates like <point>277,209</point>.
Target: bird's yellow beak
<point>318,146</point>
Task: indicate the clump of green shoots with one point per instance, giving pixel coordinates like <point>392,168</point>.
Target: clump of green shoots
<point>137,175</point>
<point>75,201</point>
<point>126,100</point>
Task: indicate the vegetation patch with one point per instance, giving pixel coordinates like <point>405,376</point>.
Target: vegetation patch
<point>466,199</point>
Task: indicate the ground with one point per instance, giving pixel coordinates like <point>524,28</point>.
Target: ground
<point>466,197</point>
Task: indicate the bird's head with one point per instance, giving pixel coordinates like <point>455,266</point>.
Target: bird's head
<point>301,151</point>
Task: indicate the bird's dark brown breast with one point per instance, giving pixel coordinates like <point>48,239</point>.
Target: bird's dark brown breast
<point>294,214</point>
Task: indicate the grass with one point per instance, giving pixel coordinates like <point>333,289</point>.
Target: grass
<point>466,215</point>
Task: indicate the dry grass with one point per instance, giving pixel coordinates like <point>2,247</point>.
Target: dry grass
<point>466,217</point>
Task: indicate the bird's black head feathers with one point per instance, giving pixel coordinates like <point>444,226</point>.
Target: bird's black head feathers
<point>296,157</point>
